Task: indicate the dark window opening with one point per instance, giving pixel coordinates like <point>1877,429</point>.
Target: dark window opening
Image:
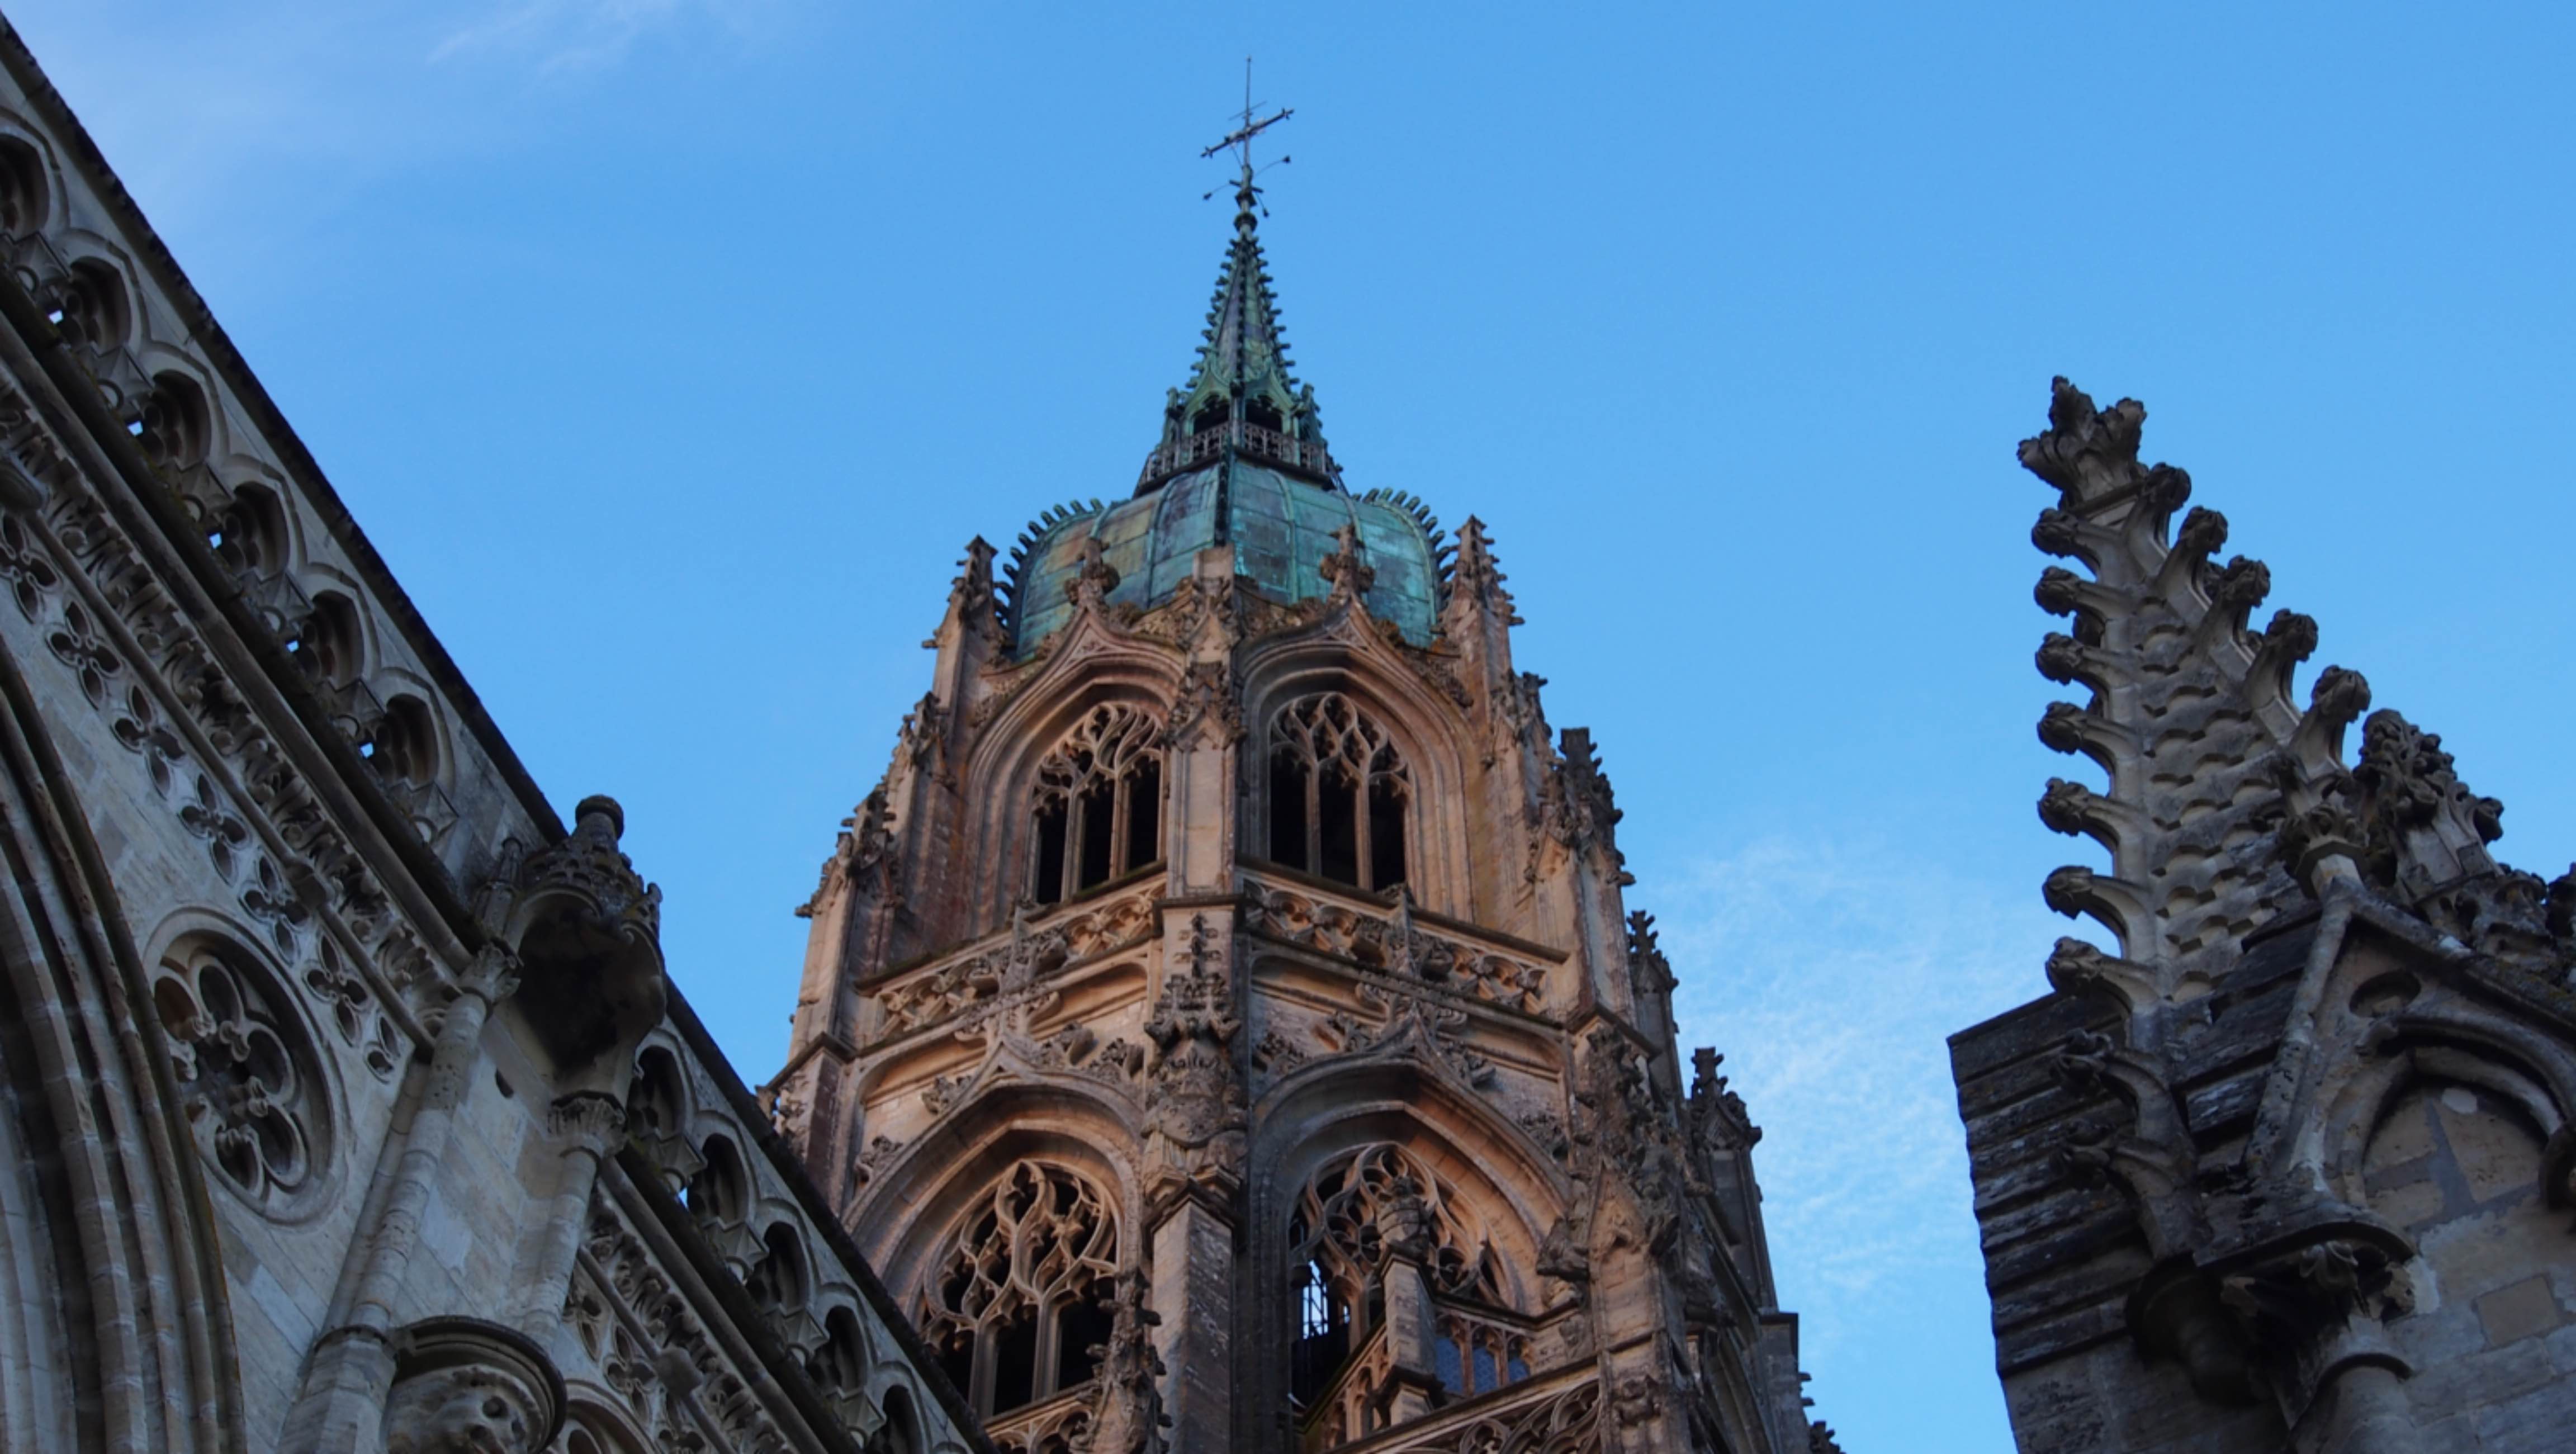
<point>1323,1335</point>
<point>1337,827</point>
<point>1386,834</point>
<point>1258,412</point>
<point>957,1360</point>
<point>1211,417</point>
<point>1097,804</point>
<point>1050,875</point>
<point>1099,834</point>
<point>1144,815</point>
<point>1015,1362</point>
<point>1287,811</point>
<point>1081,1332</point>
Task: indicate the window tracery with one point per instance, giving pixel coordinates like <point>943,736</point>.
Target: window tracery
<point>246,1072</point>
<point>1363,1212</point>
<point>1097,811</point>
<point>1019,1297</point>
<point>1339,793</point>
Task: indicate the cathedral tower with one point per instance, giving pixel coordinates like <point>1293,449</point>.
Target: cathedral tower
<point>1224,1028</point>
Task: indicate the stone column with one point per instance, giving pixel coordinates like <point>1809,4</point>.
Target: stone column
<point>1206,723</point>
<point>588,1124</point>
<point>1404,1230</point>
<point>340,1406</point>
<point>2318,1313</point>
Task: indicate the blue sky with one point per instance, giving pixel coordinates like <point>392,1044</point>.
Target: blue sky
<point>669,350</point>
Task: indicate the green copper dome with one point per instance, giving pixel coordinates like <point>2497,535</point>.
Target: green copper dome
<point>1281,528</point>
<point>1242,462</point>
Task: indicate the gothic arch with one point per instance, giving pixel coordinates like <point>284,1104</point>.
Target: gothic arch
<point>595,1424</point>
<point>933,1180</point>
<point>1425,729</point>
<point>1323,1116</point>
<point>30,185</point>
<point>1004,761</point>
<point>118,1332</point>
<point>2524,1071</point>
<point>1324,1110</point>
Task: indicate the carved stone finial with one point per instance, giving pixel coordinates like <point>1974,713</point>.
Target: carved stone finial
<point>1130,1419</point>
<point>1095,578</point>
<point>1347,568</point>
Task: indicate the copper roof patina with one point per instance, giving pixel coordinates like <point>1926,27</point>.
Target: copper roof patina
<point>1242,461</point>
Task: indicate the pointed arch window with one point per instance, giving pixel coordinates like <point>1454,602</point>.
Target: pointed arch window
<point>1340,794</point>
<point>1358,1216</point>
<point>1019,1297</point>
<point>1098,807</point>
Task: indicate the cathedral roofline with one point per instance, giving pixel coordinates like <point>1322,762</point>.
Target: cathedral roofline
<point>152,253</point>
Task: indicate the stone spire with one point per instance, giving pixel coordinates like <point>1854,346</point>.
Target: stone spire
<point>1241,395</point>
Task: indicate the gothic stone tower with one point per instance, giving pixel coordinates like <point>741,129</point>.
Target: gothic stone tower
<point>1223,1027</point>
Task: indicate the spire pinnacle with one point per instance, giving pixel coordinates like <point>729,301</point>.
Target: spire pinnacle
<point>1242,400</point>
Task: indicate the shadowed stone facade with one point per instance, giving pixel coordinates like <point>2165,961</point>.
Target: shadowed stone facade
<point>344,1104</point>
<point>1224,1026</point>
<point>2292,1169</point>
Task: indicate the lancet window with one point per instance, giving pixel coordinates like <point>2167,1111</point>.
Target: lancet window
<point>1098,809</point>
<point>1375,1221</point>
<point>1020,1294</point>
<point>1339,792</point>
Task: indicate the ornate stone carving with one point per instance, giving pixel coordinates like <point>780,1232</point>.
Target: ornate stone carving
<point>589,865</point>
<point>1131,1418</point>
<point>1195,1105</point>
<point>2190,715</point>
<point>1209,708</point>
<point>1718,1120</point>
<point>246,1072</point>
<point>1395,944</point>
<point>1379,1203</point>
<point>465,1386</point>
<point>1347,568</point>
<point>1042,1236</point>
<point>972,987</point>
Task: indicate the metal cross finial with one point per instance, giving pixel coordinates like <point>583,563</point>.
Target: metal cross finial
<point>1239,140</point>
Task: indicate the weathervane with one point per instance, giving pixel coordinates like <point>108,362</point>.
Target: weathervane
<point>1239,141</point>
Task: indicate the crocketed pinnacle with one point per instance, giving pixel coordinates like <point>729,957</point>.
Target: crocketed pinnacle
<point>1241,395</point>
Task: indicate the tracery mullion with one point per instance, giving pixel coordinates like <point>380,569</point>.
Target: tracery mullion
<point>1117,825</point>
<point>1314,775</point>
<point>1360,828</point>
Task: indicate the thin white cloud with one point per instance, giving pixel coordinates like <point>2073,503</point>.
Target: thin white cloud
<point>1831,976</point>
<point>588,35</point>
